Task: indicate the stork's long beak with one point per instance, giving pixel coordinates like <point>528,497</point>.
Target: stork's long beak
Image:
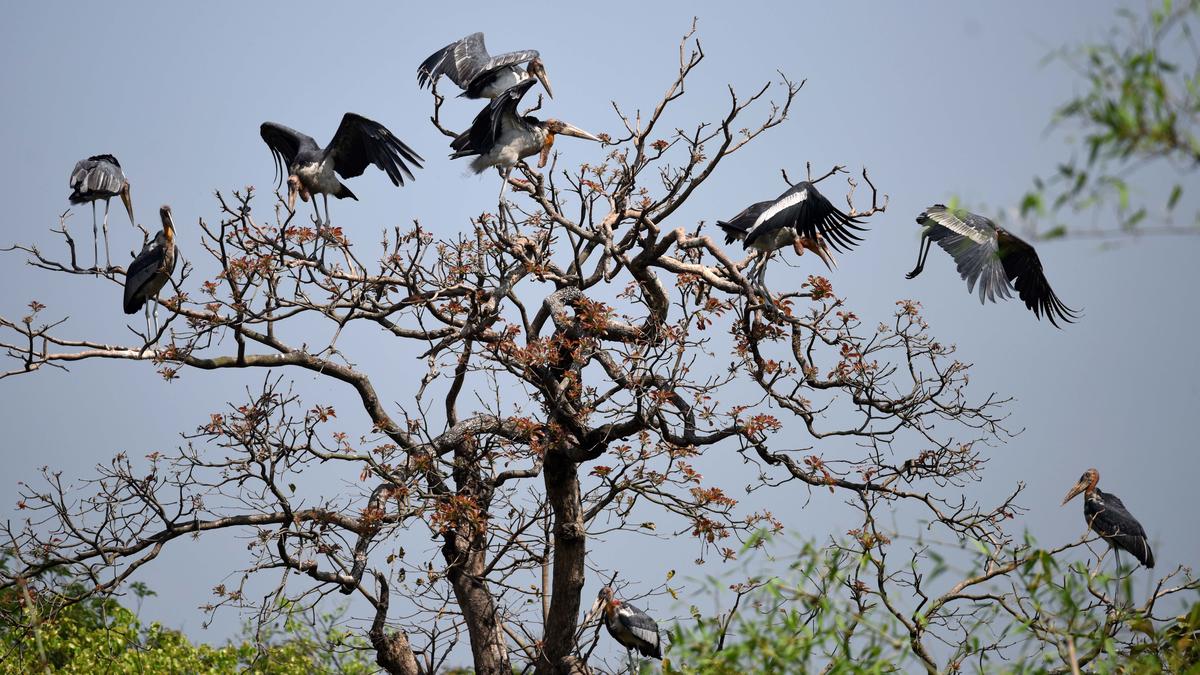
<point>818,247</point>
<point>593,612</point>
<point>293,184</point>
<point>578,133</point>
<point>127,199</point>
<point>168,222</point>
<point>1079,487</point>
<point>540,73</point>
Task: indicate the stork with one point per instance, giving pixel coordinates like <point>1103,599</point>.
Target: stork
<point>628,625</point>
<point>96,178</point>
<point>311,169</point>
<point>801,217</point>
<point>151,270</point>
<point>480,75</point>
<point>1108,517</point>
<point>993,257</point>
<point>500,137</point>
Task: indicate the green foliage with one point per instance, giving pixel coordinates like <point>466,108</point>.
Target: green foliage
<point>826,615</point>
<point>1140,105</point>
<point>98,635</point>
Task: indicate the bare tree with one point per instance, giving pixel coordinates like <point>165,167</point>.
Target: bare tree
<point>566,342</point>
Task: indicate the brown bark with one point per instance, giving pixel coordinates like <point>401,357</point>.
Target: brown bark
<point>561,478</point>
<point>393,652</point>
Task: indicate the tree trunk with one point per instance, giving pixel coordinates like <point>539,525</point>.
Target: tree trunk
<point>570,547</point>
<point>466,560</point>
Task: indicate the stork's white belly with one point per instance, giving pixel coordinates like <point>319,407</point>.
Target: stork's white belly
<point>778,239</point>
<point>318,177</point>
<point>514,144</point>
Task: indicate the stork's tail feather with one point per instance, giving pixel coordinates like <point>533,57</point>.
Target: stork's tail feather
<point>344,192</point>
<point>732,234</point>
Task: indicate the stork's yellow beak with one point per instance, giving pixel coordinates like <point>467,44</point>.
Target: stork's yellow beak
<point>578,133</point>
<point>1079,487</point>
<point>293,184</point>
<point>539,71</point>
<point>127,199</point>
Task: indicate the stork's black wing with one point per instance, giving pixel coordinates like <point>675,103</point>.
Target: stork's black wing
<point>803,208</point>
<point>642,627</point>
<point>460,61</point>
<point>141,272</point>
<point>485,130</point>
<point>1113,521</point>
<point>496,63</point>
<point>736,227</point>
<point>360,141</point>
<point>285,143</point>
<point>1024,269</point>
<point>972,241</point>
<point>98,176</point>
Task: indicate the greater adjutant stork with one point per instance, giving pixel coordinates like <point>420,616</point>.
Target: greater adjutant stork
<point>1108,517</point>
<point>501,137</point>
<point>151,270</point>
<point>479,74</point>
<point>311,169</point>
<point>991,256</point>
<point>630,626</point>
<point>96,178</point>
<point>800,217</point>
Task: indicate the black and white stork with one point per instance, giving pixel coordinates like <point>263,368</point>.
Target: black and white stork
<point>994,258</point>
<point>630,626</point>
<point>96,178</point>
<point>151,270</point>
<point>501,137</point>
<point>1107,516</point>
<point>800,217</point>
<point>479,74</point>
<point>311,169</point>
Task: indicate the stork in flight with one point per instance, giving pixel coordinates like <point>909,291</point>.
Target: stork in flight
<point>479,74</point>
<point>632,628</point>
<point>501,137</point>
<point>151,270</point>
<point>311,169</point>
<point>993,257</point>
<point>801,217</point>
<point>1108,517</point>
<point>96,178</point>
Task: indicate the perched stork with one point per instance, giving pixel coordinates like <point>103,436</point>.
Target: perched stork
<point>501,137</point>
<point>991,256</point>
<point>801,217</point>
<point>310,168</point>
<point>1108,517</point>
<point>95,178</point>
<point>479,74</point>
<point>630,626</point>
<point>151,270</point>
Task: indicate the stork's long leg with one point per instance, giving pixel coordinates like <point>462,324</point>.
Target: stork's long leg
<point>95,244</point>
<point>107,257</point>
<point>325,198</point>
<point>630,655</point>
<point>922,254</point>
<point>146,314</point>
<point>156,314</point>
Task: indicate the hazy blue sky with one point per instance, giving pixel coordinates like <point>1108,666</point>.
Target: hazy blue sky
<point>938,99</point>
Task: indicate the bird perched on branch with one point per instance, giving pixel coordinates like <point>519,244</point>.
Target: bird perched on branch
<point>1108,517</point>
<point>96,178</point>
<point>479,74</point>
<point>993,257</point>
<point>501,137</point>
<point>151,270</point>
<point>801,217</point>
<point>628,625</point>
<point>358,143</point>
